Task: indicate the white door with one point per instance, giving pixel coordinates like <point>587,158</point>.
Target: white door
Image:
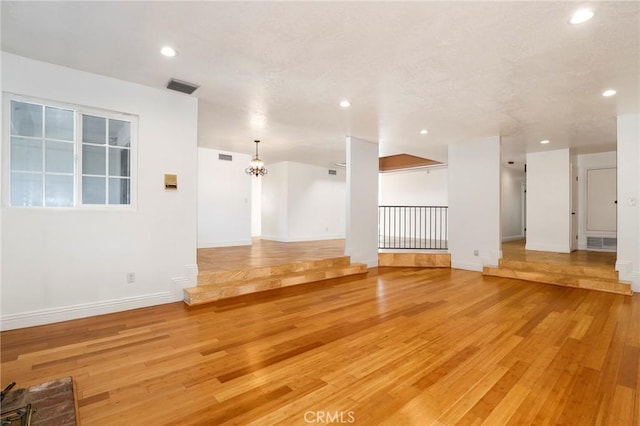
<point>601,200</point>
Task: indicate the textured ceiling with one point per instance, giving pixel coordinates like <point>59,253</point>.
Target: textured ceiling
<point>276,71</point>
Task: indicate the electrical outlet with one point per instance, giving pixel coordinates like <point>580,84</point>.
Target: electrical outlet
<point>131,277</point>
<point>476,252</point>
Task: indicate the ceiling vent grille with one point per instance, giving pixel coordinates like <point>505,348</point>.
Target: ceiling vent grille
<point>181,86</point>
<point>333,172</point>
<point>225,157</point>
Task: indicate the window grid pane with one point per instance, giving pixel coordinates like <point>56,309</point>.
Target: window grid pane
<point>93,190</point>
<point>59,157</point>
<point>58,190</point>
<point>94,129</point>
<point>26,189</point>
<point>94,160</point>
<point>26,154</point>
<point>26,119</point>
<point>59,124</point>
<point>119,191</point>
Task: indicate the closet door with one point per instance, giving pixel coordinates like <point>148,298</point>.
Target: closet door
<point>601,200</point>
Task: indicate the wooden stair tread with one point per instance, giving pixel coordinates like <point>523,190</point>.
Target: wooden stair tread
<point>212,292</point>
<point>217,277</point>
<point>563,279</point>
<point>581,270</point>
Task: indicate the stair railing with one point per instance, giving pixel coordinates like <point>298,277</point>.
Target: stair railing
<point>412,227</point>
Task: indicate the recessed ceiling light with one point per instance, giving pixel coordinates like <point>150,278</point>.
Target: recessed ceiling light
<point>345,103</point>
<point>581,16</point>
<point>544,142</point>
<point>424,131</point>
<point>609,92</point>
<point>169,51</point>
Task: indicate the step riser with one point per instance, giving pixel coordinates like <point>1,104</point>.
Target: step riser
<point>211,293</point>
<point>417,260</point>
<point>269,271</point>
<point>585,271</point>
<point>611,286</point>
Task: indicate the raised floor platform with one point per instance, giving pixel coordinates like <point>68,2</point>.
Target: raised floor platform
<point>579,269</point>
<point>217,285</point>
<point>268,265</point>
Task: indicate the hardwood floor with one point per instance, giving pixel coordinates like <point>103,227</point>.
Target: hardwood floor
<point>266,253</point>
<point>514,250</point>
<point>401,346</point>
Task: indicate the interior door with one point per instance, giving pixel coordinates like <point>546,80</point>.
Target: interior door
<point>601,200</point>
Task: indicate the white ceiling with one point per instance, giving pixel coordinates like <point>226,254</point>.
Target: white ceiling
<point>276,71</point>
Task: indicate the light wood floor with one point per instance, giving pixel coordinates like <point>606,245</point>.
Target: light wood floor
<point>515,250</point>
<point>402,346</point>
<point>266,253</point>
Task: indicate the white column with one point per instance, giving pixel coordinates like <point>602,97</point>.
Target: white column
<point>474,203</point>
<point>628,256</point>
<point>549,201</point>
<point>362,201</point>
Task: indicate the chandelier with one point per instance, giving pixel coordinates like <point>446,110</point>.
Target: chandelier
<point>256,166</point>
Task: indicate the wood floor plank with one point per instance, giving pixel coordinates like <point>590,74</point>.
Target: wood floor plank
<point>400,346</point>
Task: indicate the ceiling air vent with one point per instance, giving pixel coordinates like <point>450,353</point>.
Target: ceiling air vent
<point>225,157</point>
<point>333,172</point>
<point>181,86</point>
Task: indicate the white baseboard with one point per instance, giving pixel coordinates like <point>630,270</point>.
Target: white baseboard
<point>370,263</point>
<point>83,310</point>
<point>513,238</point>
<point>302,239</point>
<point>469,266</point>
<point>551,248</point>
<point>232,243</point>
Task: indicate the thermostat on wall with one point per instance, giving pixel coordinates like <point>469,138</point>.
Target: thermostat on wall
<point>170,182</point>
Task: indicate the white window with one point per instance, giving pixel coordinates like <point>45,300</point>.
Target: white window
<point>65,156</point>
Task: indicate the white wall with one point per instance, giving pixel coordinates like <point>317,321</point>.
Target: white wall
<point>420,187</point>
<point>316,203</point>
<point>274,203</point>
<point>224,199</point>
<point>474,203</point>
<point>628,255</point>
<point>256,207</point>
<point>511,203</point>
<point>549,201</point>
<point>362,201</point>
<point>59,264</point>
<point>302,202</point>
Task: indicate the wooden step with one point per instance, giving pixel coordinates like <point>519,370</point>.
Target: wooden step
<point>212,292</point>
<point>206,278</point>
<point>562,279</point>
<point>560,268</point>
<point>417,260</point>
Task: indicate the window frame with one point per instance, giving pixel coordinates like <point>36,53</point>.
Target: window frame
<point>79,111</point>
